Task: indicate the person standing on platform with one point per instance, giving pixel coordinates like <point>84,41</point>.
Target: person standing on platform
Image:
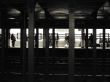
<point>36,38</point>
<point>91,40</point>
<point>13,40</point>
<point>56,40</point>
<point>67,41</point>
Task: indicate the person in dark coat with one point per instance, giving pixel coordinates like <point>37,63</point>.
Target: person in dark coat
<point>56,40</point>
<point>91,40</point>
<point>13,40</point>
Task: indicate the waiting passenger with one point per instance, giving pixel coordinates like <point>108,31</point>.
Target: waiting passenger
<point>13,40</point>
<point>36,38</point>
<point>91,40</point>
<point>56,40</point>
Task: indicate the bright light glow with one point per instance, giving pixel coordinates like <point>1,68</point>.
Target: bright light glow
<point>0,31</point>
<point>99,31</point>
<point>60,17</point>
<point>99,17</point>
<point>41,31</point>
<point>79,17</point>
<point>107,31</point>
<point>65,11</point>
<point>77,31</point>
<point>90,30</point>
<point>61,31</point>
<point>11,18</point>
<point>50,30</point>
<point>27,31</point>
<point>42,12</point>
<point>79,11</point>
<point>14,31</point>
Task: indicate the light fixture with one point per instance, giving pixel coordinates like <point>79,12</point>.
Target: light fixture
<point>11,18</point>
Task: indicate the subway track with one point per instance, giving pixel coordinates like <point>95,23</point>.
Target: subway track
<point>55,67</point>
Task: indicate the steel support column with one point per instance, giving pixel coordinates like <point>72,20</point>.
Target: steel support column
<point>86,41</point>
<point>53,38</point>
<point>94,38</point>
<point>37,33</point>
<point>7,37</point>
<point>104,38</point>
<point>46,38</point>
<point>71,45</point>
<point>94,51</point>
<point>30,8</point>
<point>46,35</point>
<point>53,43</point>
<point>37,38</point>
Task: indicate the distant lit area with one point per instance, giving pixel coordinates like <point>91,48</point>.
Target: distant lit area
<point>62,38</point>
<point>14,38</point>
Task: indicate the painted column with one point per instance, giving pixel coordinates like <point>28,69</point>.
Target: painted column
<point>23,42</point>
<point>94,51</point>
<point>30,8</point>
<point>104,40</point>
<point>71,45</point>
<point>46,35</point>
<point>86,41</point>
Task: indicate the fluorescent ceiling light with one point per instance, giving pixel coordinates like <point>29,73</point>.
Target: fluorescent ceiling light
<point>11,18</point>
<point>60,17</point>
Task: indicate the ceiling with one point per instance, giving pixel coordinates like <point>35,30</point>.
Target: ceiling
<point>58,9</point>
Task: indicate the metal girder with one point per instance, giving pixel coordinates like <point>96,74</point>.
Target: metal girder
<point>30,11</point>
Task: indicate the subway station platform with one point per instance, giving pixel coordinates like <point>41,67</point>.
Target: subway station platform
<point>55,41</point>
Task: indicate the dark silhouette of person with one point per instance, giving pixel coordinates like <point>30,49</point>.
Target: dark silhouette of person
<point>13,40</point>
<point>91,40</point>
<point>36,38</point>
<point>67,39</point>
<point>17,35</point>
<point>56,40</point>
